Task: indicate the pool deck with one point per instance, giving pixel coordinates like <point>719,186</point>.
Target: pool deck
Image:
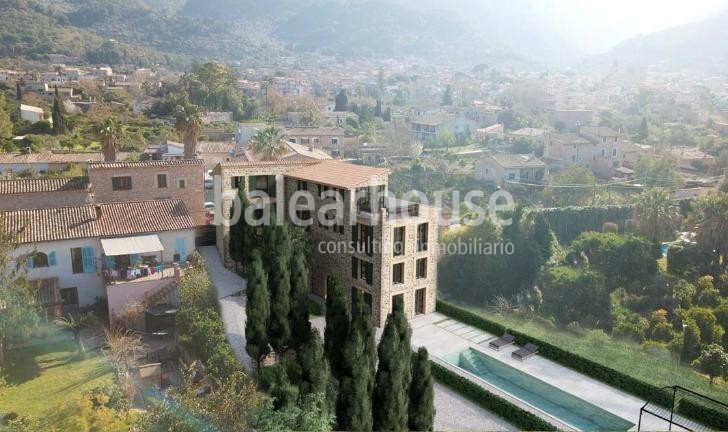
<point>442,335</point>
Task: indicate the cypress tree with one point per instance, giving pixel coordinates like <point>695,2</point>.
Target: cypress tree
<point>337,327</point>
<point>356,388</point>
<point>314,367</point>
<point>393,373</point>
<point>241,234</point>
<point>542,236</point>
<point>18,91</point>
<point>298,318</point>
<point>270,241</point>
<point>378,109</point>
<point>279,329</point>
<point>421,393</point>
<point>257,310</point>
<point>58,114</point>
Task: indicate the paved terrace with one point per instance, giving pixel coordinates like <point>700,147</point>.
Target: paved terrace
<point>442,335</point>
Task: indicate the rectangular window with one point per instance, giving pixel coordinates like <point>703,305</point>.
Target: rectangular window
<point>121,183</point>
<point>614,152</point>
<point>76,260</point>
<point>421,268</point>
<point>305,141</point>
<point>335,141</point>
<point>422,233</point>
<point>420,301</point>
<point>69,296</point>
<point>366,272</point>
<point>161,181</point>
<point>181,183</point>
<point>399,241</point>
<point>399,298</point>
<point>398,273</point>
<point>302,185</point>
<point>354,268</point>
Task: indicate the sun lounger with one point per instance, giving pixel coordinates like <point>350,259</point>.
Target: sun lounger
<point>525,352</point>
<point>502,341</point>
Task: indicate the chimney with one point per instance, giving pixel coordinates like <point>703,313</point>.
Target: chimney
<point>97,207</point>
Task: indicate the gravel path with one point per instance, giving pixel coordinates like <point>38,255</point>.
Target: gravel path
<point>454,413</point>
<point>232,306</point>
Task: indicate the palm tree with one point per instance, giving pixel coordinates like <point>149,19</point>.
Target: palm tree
<point>188,125</point>
<point>270,143</point>
<point>109,133</point>
<point>657,215</point>
<point>711,214</point>
<point>76,323</point>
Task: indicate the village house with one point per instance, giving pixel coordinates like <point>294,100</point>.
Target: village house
<point>32,113</point>
<point>503,168</point>
<point>595,147</point>
<point>425,128</point>
<point>334,140</point>
<point>42,163</point>
<point>396,241</point>
<point>127,251</point>
<point>44,192</point>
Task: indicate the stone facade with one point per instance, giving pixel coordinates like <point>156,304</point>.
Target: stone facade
<point>334,252</point>
<point>185,180</point>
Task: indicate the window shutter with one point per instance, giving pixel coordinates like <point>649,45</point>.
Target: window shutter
<point>355,234</point>
<point>51,259</point>
<point>354,267</point>
<point>110,262</point>
<point>29,263</point>
<point>134,259</point>
<point>181,248</point>
<point>87,253</point>
<point>370,273</point>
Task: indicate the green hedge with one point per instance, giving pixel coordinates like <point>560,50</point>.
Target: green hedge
<point>583,365</point>
<point>518,417</point>
<point>568,222</point>
<point>709,416</point>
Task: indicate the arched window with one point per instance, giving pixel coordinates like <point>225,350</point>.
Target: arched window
<point>40,260</point>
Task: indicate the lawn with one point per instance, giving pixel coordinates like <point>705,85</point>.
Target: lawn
<point>41,377</point>
<point>656,367</point>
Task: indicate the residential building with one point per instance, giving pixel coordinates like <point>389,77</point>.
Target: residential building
<point>31,113</point>
<point>595,147</point>
<point>504,168</point>
<point>182,179</point>
<point>632,152</point>
<point>44,162</point>
<point>390,246</point>
<point>426,127</point>
<point>43,192</point>
<point>573,119</point>
<point>692,159</point>
<point>535,135</point>
<point>334,140</point>
<point>122,251</point>
<point>493,132</point>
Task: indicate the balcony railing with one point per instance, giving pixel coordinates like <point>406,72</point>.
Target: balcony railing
<point>142,273</point>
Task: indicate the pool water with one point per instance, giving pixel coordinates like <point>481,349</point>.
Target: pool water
<point>549,399</point>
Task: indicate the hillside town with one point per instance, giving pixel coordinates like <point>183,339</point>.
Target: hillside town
<point>361,244</point>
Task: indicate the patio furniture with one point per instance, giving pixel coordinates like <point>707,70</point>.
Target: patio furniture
<point>502,341</point>
<point>527,351</point>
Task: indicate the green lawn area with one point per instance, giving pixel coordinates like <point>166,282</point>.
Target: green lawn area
<point>658,368</point>
<point>41,377</point>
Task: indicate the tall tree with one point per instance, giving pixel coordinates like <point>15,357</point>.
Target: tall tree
<point>711,213</point>
<point>279,328</point>
<point>188,124</point>
<point>447,96</point>
<point>390,402</point>
<point>58,114</point>
<point>300,325</point>
<point>314,366</point>
<point>18,90</point>
<point>270,143</point>
<point>644,131</point>
<point>421,393</point>
<point>241,241</point>
<point>18,306</point>
<point>109,133</point>
<point>713,361</point>
<point>378,109</point>
<point>657,215</point>
<point>257,309</point>
<point>342,101</point>
<point>337,326</point>
<point>356,387</point>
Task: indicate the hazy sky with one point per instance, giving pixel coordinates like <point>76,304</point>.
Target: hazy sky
<point>607,22</point>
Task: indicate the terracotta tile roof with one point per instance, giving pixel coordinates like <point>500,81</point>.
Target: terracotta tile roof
<point>248,163</point>
<point>337,173</point>
<point>150,163</point>
<point>54,157</point>
<point>136,217</point>
<point>44,184</point>
<point>50,224</point>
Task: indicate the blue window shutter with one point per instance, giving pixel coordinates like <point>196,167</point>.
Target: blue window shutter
<point>87,254</point>
<point>29,263</point>
<point>134,259</point>
<point>181,249</point>
<point>51,259</point>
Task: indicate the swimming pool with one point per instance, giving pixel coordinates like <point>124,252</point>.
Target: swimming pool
<point>547,398</point>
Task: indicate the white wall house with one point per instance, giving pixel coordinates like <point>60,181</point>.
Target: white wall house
<point>31,113</point>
